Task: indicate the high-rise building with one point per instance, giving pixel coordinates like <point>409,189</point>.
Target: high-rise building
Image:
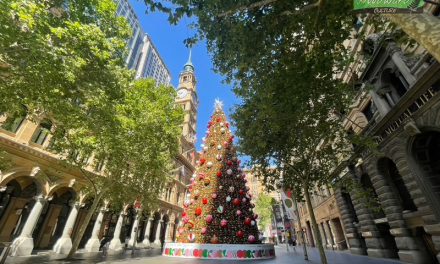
<point>142,57</point>
<point>135,43</point>
<point>151,65</point>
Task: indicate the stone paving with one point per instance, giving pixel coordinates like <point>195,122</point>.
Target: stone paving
<point>152,256</point>
<point>85,258</point>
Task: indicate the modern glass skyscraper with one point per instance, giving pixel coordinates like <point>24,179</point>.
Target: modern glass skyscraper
<point>143,57</point>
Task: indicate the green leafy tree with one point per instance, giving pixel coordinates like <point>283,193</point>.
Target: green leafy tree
<point>59,57</point>
<point>137,145</point>
<point>263,207</point>
<point>64,61</point>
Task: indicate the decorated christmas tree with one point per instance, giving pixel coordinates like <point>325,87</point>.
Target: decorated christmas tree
<point>218,209</point>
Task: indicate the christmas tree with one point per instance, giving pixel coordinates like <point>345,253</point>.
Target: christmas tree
<point>218,209</point>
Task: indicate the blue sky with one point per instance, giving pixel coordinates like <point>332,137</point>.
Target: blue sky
<point>168,40</point>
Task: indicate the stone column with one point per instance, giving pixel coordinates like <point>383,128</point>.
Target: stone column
<point>330,238</point>
<point>351,232</point>
<point>64,243</point>
<point>115,243</point>
<point>157,233</point>
<point>167,238</point>
<point>146,241</point>
<point>133,236</point>
<point>93,243</point>
<point>409,251</point>
<point>323,235</point>
<point>24,244</point>
<point>376,246</point>
<point>380,103</point>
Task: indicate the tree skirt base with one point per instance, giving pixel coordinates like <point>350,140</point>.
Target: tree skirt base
<point>219,251</point>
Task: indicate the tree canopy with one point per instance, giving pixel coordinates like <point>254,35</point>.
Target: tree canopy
<point>65,61</point>
<point>263,207</point>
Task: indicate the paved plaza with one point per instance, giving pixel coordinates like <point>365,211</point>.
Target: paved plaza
<point>153,257</point>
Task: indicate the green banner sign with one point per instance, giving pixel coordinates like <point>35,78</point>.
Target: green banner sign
<point>388,6</point>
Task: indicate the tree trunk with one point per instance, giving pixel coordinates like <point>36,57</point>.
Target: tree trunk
<point>423,28</point>
<point>315,229</point>
<point>82,229</point>
<point>306,256</point>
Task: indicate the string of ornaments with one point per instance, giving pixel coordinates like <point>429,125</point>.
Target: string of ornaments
<point>218,208</point>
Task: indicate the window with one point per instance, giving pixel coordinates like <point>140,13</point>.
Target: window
<point>368,111</point>
<point>14,122</point>
<point>99,165</point>
<point>42,132</point>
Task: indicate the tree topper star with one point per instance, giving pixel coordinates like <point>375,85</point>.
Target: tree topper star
<point>218,105</point>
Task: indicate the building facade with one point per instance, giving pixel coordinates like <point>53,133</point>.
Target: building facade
<point>136,41</point>
<point>328,218</point>
<point>42,205</point>
<point>142,56</point>
<point>397,105</point>
<point>151,65</point>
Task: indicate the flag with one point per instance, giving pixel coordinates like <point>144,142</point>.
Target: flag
<point>288,204</point>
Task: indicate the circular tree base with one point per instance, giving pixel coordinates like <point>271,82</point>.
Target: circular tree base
<point>219,251</point>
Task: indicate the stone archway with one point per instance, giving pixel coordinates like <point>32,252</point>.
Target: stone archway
<point>388,168</point>
<point>165,226</point>
<point>175,229</point>
<point>16,202</point>
<point>153,229</point>
<point>425,152</point>
<point>53,218</point>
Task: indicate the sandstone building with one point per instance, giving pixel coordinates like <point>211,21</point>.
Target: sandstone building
<point>41,203</point>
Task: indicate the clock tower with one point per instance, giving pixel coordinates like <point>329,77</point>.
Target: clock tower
<point>187,99</point>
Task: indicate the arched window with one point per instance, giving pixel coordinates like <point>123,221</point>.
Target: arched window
<point>14,121</point>
<point>43,130</point>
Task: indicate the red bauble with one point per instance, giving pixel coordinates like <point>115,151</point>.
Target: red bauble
<point>247,221</point>
<point>227,124</point>
<point>241,192</point>
<point>240,234</point>
<point>219,174</point>
<point>219,119</point>
<point>209,219</point>
<point>205,201</point>
<point>183,214</point>
<point>201,176</point>
<point>231,139</point>
<point>251,239</point>
<point>202,161</point>
<point>224,223</point>
<point>198,211</point>
<point>236,202</point>
<point>229,162</point>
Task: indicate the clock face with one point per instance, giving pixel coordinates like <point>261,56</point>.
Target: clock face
<point>182,93</point>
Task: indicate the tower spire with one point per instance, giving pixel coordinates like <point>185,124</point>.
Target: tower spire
<point>189,67</point>
<point>189,62</point>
